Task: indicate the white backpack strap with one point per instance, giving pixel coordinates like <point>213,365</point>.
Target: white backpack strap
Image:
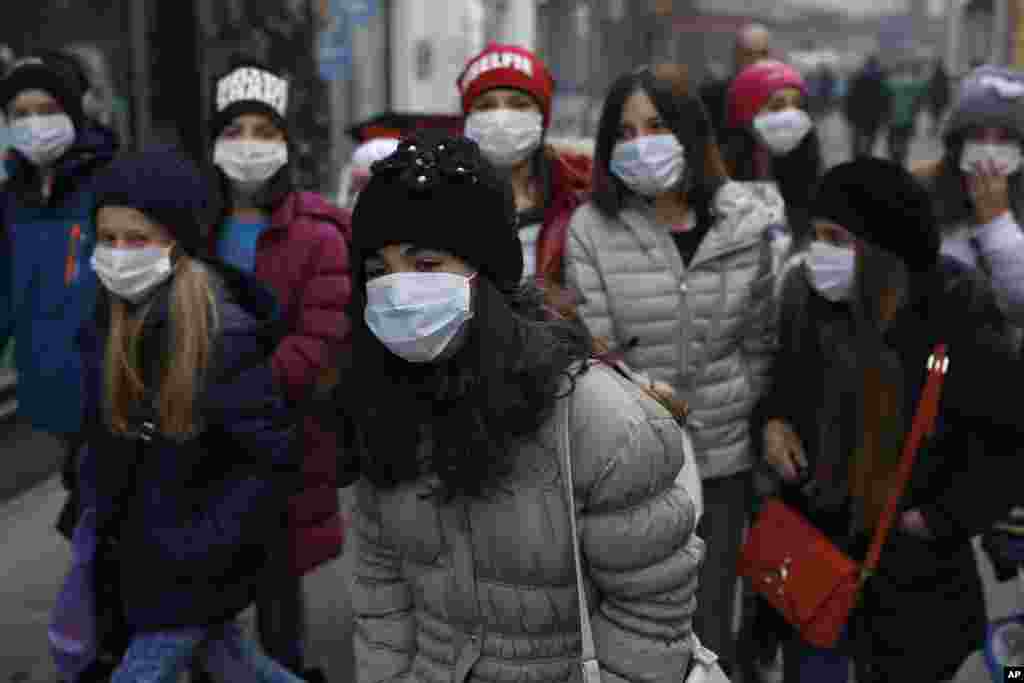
<point>588,658</point>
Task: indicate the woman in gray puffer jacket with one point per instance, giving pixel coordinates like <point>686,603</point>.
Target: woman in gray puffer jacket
<point>465,567</point>
<point>676,264</point>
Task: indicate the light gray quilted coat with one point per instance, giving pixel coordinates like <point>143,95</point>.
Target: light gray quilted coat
<point>485,590</point>
<point>710,329</point>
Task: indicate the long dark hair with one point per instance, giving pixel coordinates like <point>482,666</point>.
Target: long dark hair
<point>668,87</point>
<point>796,173</point>
<point>458,421</point>
<point>952,200</point>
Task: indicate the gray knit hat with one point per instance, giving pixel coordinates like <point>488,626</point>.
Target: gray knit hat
<point>989,96</point>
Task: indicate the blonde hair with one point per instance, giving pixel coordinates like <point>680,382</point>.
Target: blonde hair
<point>193,327</point>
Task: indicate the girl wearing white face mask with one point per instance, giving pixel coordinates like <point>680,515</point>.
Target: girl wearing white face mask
<point>772,138</point>
<point>673,262</point>
<point>857,326</point>
<point>506,98</point>
<point>977,185</point>
<point>295,242</point>
<point>459,392</point>
<point>186,461</point>
<point>48,224</point>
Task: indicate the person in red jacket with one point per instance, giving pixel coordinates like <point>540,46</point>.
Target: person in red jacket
<point>506,98</point>
<point>296,242</point>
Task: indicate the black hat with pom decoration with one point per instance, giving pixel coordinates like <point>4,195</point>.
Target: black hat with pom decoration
<point>437,191</point>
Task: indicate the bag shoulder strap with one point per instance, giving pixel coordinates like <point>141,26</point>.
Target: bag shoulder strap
<point>588,657</point>
<point>924,424</point>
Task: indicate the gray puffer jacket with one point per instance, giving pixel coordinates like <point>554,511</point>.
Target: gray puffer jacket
<point>710,329</point>
<point>485,590</point>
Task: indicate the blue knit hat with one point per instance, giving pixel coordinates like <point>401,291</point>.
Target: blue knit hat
<point>163,184</point>
<point>989,96</point>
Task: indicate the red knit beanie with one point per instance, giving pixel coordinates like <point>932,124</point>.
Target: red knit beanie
<point>755,85</point>
<point>507,66</point>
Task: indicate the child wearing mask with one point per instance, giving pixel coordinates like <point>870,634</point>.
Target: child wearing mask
<point>188,458</point>
<point>465,568</point>
<point>857,325</point>
<point>47,286</point>
<point>506,97</point>
<point>773,138</point>
<point>977,186</point>
<point>674,262</point>
<point>296,242</point>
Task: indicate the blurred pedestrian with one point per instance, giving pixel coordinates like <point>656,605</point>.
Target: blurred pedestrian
<point>867,107</point>
<point>752,44</point>
<point>978,185</point>
<point>907,94</point>
<point>356,174</point>
<point>775,139</point>
<point>188,458</point>
<point>857,324</point>
<point>939,95</point>
<point>47,285</point>
<point>674,263</point>
<point>465,564</point>
<point>978,191</point>
<point>295,242</point>
<point>506,98</point>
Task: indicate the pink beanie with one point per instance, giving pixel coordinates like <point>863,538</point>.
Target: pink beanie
<point>755,85</point>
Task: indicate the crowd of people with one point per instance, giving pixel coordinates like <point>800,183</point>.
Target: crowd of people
<point>698,317</point>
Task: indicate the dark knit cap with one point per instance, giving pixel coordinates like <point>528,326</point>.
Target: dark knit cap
<point>166,186</point>
<point>437,191</point>
<point>53,72</point>
<point>249,87</point>
<point>881,203</point>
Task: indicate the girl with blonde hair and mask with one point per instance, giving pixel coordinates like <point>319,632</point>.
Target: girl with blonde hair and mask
<point>188,460</point>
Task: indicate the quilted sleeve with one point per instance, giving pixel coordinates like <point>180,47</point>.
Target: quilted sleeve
<point>385,629</point>
<point>637,532</point>
<point>760,333</point>
<point>582,274</point>
<point>322,325</point>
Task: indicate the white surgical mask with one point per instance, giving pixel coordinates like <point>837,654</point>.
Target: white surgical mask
<point>507,137</point>
<point>650,165</point>
<point>783,131</point>
<point>43,139</point>
<point>417,315</point>
<point>1005,155</point>
<point>132,274</point>
<point>250,163</point>
<point>831,270</point>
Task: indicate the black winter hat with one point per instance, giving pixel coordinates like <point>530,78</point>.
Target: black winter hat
<point>883,204</point>
<point>54,72</point>
<point>438,191</point>
<point>249,87</point>
<point>164,184</point>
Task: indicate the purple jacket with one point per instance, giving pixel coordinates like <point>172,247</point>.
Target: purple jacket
<point>303,257</point>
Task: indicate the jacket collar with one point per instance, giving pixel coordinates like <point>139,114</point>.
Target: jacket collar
<point>741,211</point>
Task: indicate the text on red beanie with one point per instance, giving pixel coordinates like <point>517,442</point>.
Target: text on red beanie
<point>507,66</point>
<point>753,87</point>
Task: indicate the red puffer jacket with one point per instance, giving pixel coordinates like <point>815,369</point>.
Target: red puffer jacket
<point>303,256</point>
<point>570,181</point>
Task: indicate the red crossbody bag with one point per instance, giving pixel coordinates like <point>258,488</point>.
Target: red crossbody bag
<point>797,569</point>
